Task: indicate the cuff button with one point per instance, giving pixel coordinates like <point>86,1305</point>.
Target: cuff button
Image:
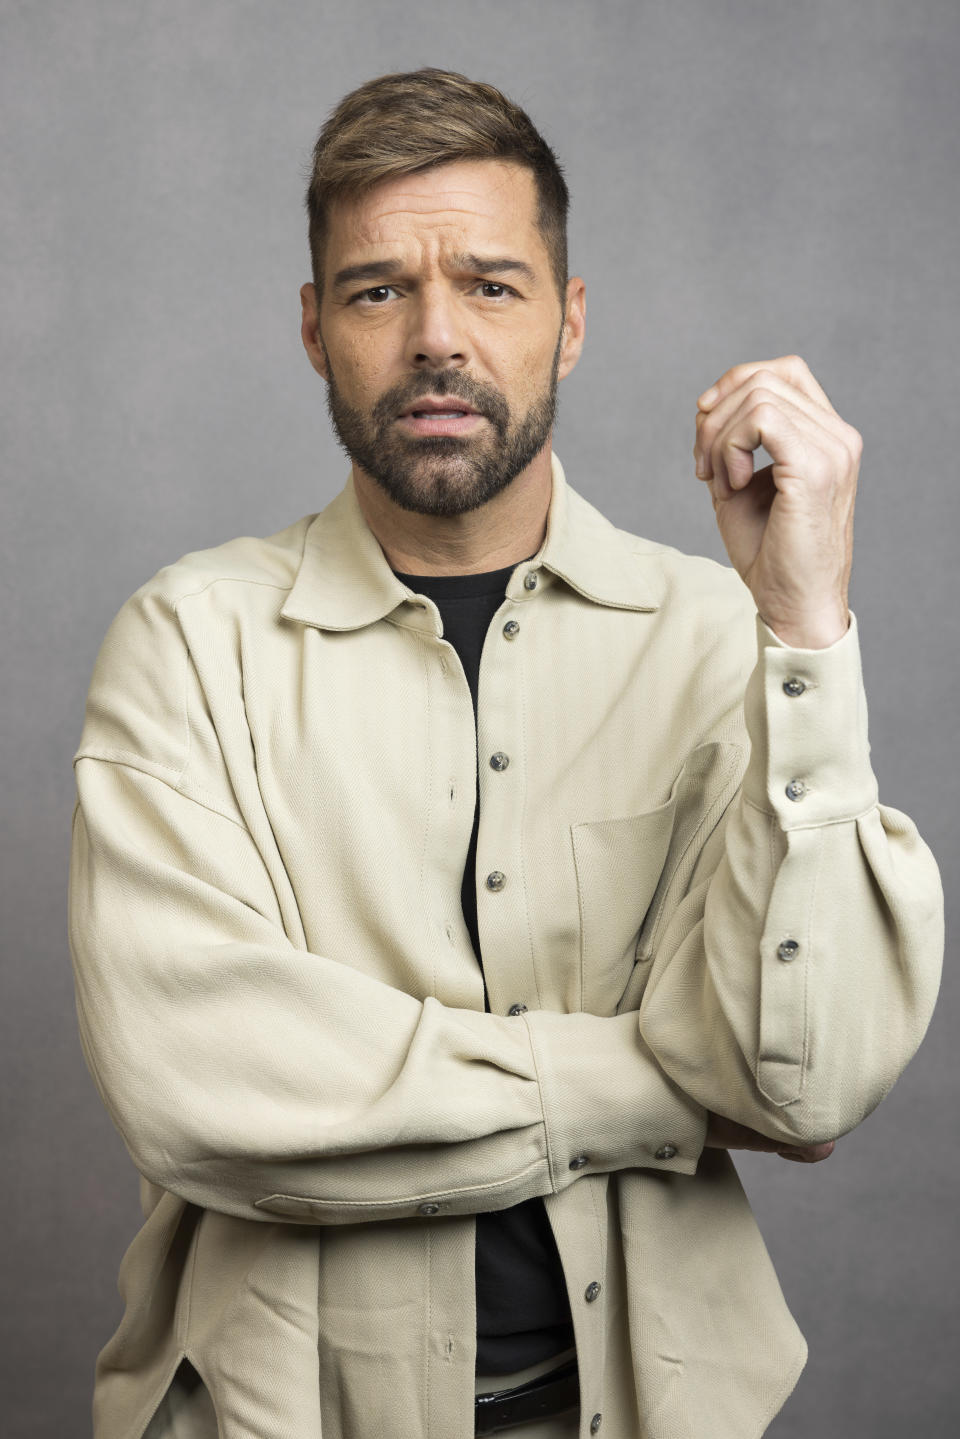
<point>666,1151</point>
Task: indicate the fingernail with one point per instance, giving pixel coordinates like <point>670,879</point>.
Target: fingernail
<point>707,398</point>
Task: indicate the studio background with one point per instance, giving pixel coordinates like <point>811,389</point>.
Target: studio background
<point>748,180</point>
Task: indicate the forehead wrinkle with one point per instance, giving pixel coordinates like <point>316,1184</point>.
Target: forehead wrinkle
<point>482,203</point>
<point>436,204</point>
<point>441,237</point>
<point>422,224</point>
<point>382,226</point>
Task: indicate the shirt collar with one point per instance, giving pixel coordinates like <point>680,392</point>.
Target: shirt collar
<point>344,580</point>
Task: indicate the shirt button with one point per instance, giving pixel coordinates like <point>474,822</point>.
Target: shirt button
<point>793,687</point>
<point>499,760</point>
<point>496,879</point>
<point>591,1292</point>
<point>511,629</point>
<point>530,580</point>
<point>667,1151</point>
<point>788,949</point>
<point>517,1009</point>
<point>429,1209</point>
<point>579,1161</point>
<point>796,789</point>
<point>595,1423</point>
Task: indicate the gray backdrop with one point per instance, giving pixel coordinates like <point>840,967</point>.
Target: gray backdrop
<point>749,179</point>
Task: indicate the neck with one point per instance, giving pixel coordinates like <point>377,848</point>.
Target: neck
<point>502,532</point>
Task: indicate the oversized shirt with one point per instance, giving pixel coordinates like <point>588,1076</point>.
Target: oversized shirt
<point>688,899</point>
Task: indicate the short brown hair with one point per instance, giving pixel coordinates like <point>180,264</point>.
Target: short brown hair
<point>399,124</point>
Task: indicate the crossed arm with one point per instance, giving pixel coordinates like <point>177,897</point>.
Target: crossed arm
<point>252,1076</point>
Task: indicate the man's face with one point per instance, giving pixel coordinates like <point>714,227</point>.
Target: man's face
<point>440,333</point>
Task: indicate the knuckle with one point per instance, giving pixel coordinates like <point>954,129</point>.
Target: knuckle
<point>854,441</point>
<point>765,378</point>
<point>764,411</point>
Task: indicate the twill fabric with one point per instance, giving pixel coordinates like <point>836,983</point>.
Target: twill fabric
<point>281,1008</point>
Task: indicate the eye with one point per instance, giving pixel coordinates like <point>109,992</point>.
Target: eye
<point>377,295</point>
<point>493,290</point>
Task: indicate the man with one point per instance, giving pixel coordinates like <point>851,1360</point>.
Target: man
<point>456,878</point>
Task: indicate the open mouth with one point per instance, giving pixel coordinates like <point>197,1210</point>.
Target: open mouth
<point>436,417</point>
<point>439,414</point>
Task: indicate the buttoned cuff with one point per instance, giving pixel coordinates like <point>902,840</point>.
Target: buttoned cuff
<point>806,714</point>
<point>607,1103</point>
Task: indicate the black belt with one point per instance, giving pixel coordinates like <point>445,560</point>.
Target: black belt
<point>555,1393</point>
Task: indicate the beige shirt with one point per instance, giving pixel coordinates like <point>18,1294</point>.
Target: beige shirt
<point>682,874</point>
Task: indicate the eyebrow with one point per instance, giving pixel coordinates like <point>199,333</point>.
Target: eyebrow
<point>481,264</point>
<point>500,264</point>
<point>374,270</point>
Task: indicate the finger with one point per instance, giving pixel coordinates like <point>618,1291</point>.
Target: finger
<point>808,1153</point>
<point>802,451</point>
<point>791,368</point>
<point>763,384</point>
<point>781,427</point>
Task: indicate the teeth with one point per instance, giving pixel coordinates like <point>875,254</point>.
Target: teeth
<point>439,414</point>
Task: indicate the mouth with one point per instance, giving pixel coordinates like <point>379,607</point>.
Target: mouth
<point>428,416</point>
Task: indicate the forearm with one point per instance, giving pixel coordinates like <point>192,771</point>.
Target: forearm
<point>795,979</point>
<point>255,1078</point>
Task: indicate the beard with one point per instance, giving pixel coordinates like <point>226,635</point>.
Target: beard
<point>443,474</point>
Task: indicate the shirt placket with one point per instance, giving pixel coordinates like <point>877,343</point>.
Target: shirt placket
<point>503,918</point>
<point>506,728</point>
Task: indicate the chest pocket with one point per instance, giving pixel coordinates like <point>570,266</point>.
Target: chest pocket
<point>631,872</point>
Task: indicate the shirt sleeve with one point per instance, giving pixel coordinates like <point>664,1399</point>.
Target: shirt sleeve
<point>794,978</point>
<point>249,1076</point>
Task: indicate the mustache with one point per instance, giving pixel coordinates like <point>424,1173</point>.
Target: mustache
<point>485,399</point>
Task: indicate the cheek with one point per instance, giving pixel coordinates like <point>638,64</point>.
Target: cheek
<point>360,373</point>
<point>360,362</point>
<point>527,371</point>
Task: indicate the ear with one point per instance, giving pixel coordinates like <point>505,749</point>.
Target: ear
<point>310,330</point>
<point>574,323</point>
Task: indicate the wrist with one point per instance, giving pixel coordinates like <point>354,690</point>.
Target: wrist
<point>815,632</point>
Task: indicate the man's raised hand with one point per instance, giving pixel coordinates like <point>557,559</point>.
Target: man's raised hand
<point>788,527</point>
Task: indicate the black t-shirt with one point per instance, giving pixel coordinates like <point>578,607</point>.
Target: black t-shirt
<point>523,1312</point>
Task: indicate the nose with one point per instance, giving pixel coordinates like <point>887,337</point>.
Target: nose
<point>437,338</point>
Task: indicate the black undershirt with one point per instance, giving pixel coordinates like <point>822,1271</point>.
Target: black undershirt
<point>523,1312</point>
